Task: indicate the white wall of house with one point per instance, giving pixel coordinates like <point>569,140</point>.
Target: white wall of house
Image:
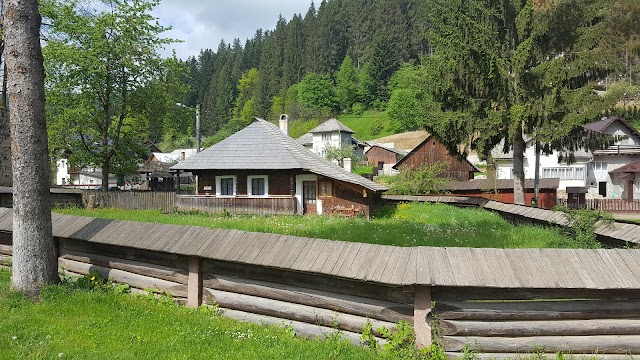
<point>574,175</point>
<point>62,173</point>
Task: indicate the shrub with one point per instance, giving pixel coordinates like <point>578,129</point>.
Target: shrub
<point>357,109</point>
<point>582,225</point>
<point>376,126</point>
<point>424,180</point>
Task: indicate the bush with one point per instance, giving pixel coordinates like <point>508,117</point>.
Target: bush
<point>582,225</point>
<point>424,180</point>
<point>357,109</point>
<point>376,126</point>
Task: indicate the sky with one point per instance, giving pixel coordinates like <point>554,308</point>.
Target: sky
<point>201,24</point>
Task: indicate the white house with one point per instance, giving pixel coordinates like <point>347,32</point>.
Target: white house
<point>330,134</point>
<point>605,173</point>
<point>84,178</point>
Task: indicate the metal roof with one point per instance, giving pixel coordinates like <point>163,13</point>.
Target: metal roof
<point>263,146</point>
<point>331,125</point>
<point>397,266</point>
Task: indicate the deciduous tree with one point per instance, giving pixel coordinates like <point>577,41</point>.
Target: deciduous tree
<point>95,61</point>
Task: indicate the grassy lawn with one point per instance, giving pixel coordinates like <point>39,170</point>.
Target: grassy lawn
<point>418,224</point>
<point>70,323</point>
<point>362,124</point>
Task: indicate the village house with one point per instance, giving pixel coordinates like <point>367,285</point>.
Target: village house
<point>331,134</point>
<point>261,170</point>
<point>431,151</point>
<point>607,173</point>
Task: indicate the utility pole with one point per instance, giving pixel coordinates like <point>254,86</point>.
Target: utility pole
<point>197,127</point>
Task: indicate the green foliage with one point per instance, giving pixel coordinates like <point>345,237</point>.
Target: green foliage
<point>347,84</point>
<point>427,179</point>
<point>96,64</point>
<point>417,224</point>
<point>298,128</point>
<point>316,93</point>
<point>376,127</point>
<point>363,170</point>
<point>339,153</point>
<point>369,340</point>
<point>582,224</point>
<point>401,344</point>
<point>357,109</point>
<point>362,124</point>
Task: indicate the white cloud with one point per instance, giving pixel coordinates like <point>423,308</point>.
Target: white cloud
<point>202,24</point>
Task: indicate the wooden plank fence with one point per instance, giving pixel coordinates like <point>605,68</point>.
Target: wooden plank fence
<point>500,302</point>
<point>130,200</point>
<point>272,205</point>
<point>611,205</point>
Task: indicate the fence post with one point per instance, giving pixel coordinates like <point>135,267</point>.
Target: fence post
<point>421,311</point>
<point>194,287</point>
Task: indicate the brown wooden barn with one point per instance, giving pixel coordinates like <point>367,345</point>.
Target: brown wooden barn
<point>261,170</point>
<point>378,154</point>
<point>432,151</point>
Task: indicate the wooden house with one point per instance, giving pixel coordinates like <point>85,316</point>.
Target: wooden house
<point>261,170</point>
<point>432,151</point>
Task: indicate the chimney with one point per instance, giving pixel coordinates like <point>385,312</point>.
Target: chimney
<point>284,123</point>
<point>346,163</point>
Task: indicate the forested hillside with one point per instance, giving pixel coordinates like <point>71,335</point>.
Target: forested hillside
<point>337,57</point>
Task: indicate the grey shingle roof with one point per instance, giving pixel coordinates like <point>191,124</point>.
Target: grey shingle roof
<point>305,139</point>
<point>263,146</point>
<point>331,125</point>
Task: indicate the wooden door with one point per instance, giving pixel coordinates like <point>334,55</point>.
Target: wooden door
<point>309,197</point>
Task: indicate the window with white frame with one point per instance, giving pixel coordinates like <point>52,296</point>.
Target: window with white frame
<point>599,165</point>
<point>564,173</point>
<point>326,137</point>
<point>225,185</point>
<point>258,185</point>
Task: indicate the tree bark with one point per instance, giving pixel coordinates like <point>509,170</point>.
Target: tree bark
<point>518,168</point>
<point>34,259</point>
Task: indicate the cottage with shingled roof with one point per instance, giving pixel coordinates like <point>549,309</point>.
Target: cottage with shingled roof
<point>261,170</point>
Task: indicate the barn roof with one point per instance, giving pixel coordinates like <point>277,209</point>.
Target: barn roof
<point>263,146</point>
<point>373,144</point>
<point>331,125</point>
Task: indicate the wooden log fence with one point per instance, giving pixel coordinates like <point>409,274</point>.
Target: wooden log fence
<point>578,311</point>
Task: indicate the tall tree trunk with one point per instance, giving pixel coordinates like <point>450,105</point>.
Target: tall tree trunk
<point>105,174</point>
<point>34,259</point>
<point>518,168</point>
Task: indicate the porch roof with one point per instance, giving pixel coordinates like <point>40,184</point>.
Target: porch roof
<point>263,146</point>
<point>634,167</point>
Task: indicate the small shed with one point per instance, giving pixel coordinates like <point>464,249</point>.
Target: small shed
<point>576,197</point>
